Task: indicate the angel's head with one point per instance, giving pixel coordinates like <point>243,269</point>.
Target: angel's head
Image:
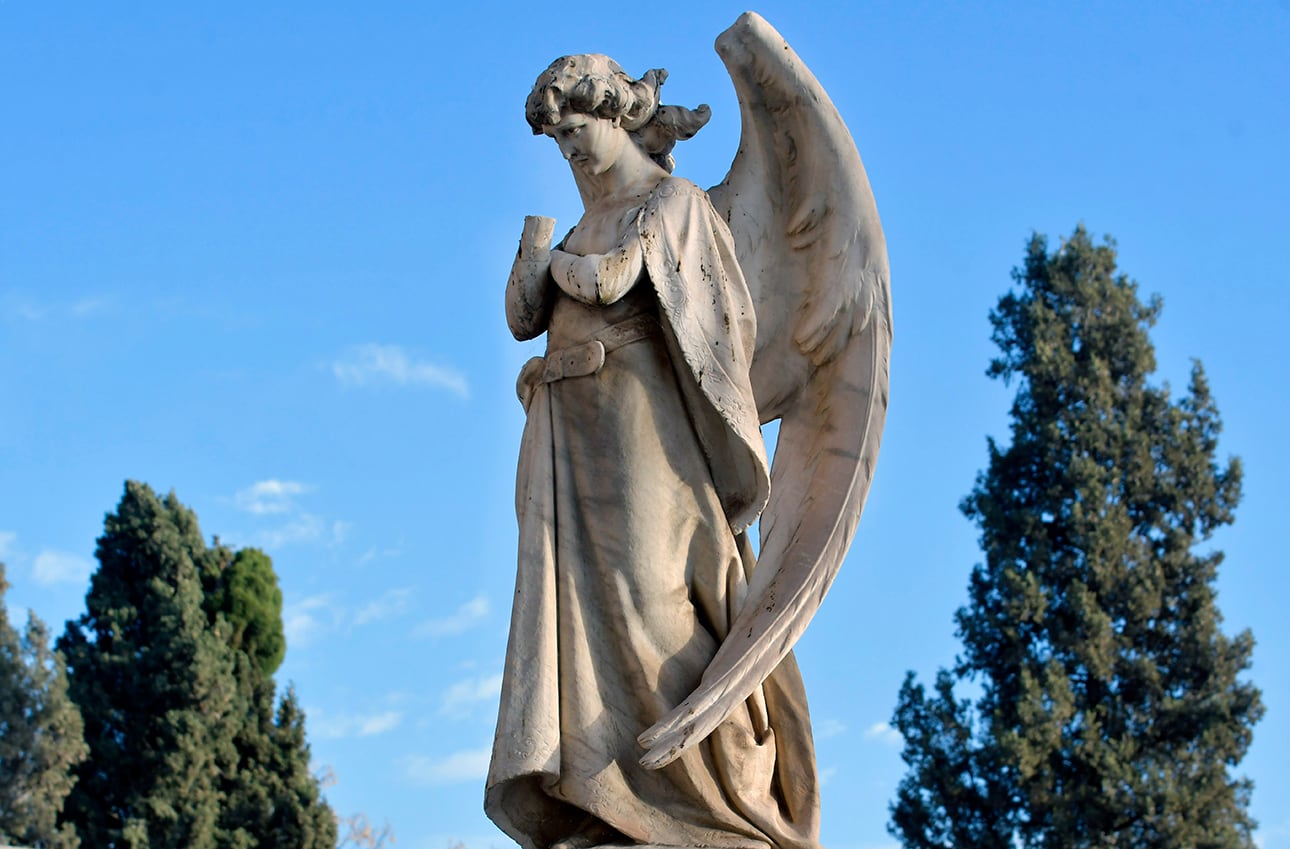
<point>591,84</point>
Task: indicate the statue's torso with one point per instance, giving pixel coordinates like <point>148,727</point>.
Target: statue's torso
<point>602,230</point>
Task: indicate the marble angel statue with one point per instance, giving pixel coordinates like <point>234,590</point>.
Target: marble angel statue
<point>650,694</point>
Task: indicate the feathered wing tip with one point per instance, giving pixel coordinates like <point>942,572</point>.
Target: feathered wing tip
<point>811,247</point>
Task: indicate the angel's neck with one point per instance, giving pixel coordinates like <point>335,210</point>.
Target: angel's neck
<point>633,175</point>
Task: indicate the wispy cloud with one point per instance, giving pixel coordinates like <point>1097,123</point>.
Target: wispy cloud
<point>827,728</point>
<point>23,307</point>
<point>323,726</point>
<point>278,500</point>
<point>388,605</point>
<point>375,552</point>
<point>366,365</point>
<point>461,620</point>
<point>466,765</point>
<point>270,496</point>
<point>882,732</point>
<point>60,567</point>
<point>7,539</point>
<point>303,529</point>
<point>465,695</point>
<point>88,306</point>
<point>305,620</point>
<point>826,775</point>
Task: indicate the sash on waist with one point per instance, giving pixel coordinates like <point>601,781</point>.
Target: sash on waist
<point>584,359</point>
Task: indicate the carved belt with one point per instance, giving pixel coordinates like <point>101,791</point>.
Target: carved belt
<point>584,359</point>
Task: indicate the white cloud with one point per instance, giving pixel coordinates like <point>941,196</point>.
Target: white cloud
<point>389,605</point>
<point>60,567</point>
<point>379,723</point>
<point>323,726</point>
<point>278,498</point>
<point>24,309</point>
<point>463,619</point>
<point>305,528</point>
<point>89,306</point>
<point>270,496</point>
<point>467,765</point>
<point>375,552</point>
<point>307,620</point>
<point>370,364</point>
<point>15,305</point>
<point>303,621</point>
<point>826,775</point>
<point>464,695</point>
<point>7,539</point>
<point>884,733</point>
<point>827,728</point>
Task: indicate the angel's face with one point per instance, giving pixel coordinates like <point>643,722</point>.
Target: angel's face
<point>590,143</point>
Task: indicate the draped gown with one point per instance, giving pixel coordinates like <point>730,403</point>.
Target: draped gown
<point>635,485</point>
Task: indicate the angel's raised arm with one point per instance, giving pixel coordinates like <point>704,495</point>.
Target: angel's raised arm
<point>529,290</point>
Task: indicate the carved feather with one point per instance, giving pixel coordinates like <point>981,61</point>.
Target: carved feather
<point>811,246</point>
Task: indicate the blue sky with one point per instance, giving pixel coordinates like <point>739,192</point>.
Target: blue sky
<point>256,253</point>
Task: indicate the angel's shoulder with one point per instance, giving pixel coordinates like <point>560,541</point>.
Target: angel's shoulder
<point>675,193</point>
<point>677,187</point>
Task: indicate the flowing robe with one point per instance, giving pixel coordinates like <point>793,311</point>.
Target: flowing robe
<point>635,485</point>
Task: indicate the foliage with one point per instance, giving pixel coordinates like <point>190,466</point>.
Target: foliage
<point>40,736</point>
<point>171,665</point>
<point>302,818</point>
<point>154,683</point>
<point>245,592</point>
<point>274,803</point>
<point>1111,704</point>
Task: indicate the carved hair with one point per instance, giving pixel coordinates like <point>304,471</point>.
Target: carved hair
<point>594,84</point>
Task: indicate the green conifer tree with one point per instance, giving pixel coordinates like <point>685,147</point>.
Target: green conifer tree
<point>301,818</point>
<point>1111,706</point>
<point>172,666</point>
<point>247,596</point>
<point>154,682</point>
<point>40,736</point>
<point>271,800</point>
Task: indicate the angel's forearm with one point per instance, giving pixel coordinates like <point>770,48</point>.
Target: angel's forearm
<point>598,278</point>
<point>529,297</point>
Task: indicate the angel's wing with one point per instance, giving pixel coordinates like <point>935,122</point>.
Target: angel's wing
<point>808,239</point>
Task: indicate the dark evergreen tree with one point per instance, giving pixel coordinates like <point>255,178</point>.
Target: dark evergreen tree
<point>172,666</point>
<point>273,801</point>
<point>270,798</point>
<point>244,591</point>
<point>302,819</point>
<point>154,682</point>
<point>40,736</point>
<point>1111,704</point>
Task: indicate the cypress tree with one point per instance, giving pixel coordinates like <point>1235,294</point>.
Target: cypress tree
<point>1111,703</point>
<point>246,594</point>
<point>40,736</point>
<point>172,667</point>
<point>271,799</point>
<point>154,682</point>
<point>301,817</point>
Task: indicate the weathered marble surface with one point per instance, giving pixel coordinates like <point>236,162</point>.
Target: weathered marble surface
<point>650,693</point>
